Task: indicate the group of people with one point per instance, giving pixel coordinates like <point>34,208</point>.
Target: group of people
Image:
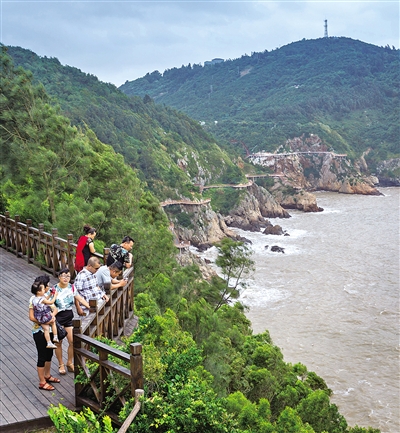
<point>51,307</point>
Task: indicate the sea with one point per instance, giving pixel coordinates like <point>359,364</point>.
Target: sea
<point>331,300</point>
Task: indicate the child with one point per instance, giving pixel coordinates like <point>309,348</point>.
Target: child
<point>42,312</point>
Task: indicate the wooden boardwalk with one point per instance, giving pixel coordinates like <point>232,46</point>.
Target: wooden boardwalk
<point>23,406</point>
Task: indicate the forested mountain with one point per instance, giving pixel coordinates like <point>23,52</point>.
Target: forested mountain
<point>168,150</point>
<point>204,369</point>
<point>343,90</point>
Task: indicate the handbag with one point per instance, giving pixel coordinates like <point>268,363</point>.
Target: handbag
<point>61,332</point>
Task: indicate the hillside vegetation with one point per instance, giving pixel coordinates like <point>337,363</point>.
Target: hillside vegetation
<point>343,90</point>
<point>168,150</point>
<point>204,369</point>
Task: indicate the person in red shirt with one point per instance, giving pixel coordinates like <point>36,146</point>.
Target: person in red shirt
<point>84,248</point>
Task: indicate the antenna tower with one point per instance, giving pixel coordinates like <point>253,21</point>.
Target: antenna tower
<point>326,29</point>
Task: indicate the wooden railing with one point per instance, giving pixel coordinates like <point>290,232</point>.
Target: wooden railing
<point>45,250</point>
<point>109,375</point>
<point>52,253</point>
<point>102,390</point>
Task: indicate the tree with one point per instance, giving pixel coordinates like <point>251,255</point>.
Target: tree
<point>235,263</point>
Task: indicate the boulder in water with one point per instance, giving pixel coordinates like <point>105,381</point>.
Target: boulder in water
<point>277,249</point>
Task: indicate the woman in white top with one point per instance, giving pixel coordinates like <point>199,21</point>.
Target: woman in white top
<point>66,295</point>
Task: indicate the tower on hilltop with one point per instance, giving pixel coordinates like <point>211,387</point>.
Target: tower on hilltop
<point>326,29</point>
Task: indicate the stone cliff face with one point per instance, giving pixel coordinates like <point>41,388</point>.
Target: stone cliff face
<point>301,200</point>
<point>305,163</point>
<point>256,205</point>
<point>208,227</point>
<point>388,172</point>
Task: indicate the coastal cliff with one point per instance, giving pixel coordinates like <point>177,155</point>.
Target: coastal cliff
<point>305,163</point>
<point>388,172</point>
<point>255,205</point>
<point>200,225</point>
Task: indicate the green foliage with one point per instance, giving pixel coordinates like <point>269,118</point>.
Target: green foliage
<point>201,359</point>
<point>235,264</point>
<point>343,90</point>
<point>166,148</point>
<point>317,411</point>
<point>67,421</point>
<point>187,406</point>
<point>290,422</point>
<point>223,199</point>
<point>184,219</point>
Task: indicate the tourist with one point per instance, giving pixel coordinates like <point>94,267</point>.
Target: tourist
<point>44,354</point>
<point>121,253</point>
<point>87,286</point>
<point>66,294</point>
<point>42,310</point>
<point>108,275</point>
<point>84,248</point>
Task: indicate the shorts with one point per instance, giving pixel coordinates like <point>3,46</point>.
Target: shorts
<point>64,318</point>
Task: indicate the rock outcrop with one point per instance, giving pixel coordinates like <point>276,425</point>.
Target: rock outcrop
<point>388,172</point>
<point>206,226</point>
<point>306,163</point>
<point>256,205</point>
<point>188,259</point>
<point>301,200</point>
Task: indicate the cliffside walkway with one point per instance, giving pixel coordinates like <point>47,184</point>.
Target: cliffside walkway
<point>185,202</point>
<point>255,176</point>
<point>26,253</point>
<point>266,155</point>
<point>229,185</point>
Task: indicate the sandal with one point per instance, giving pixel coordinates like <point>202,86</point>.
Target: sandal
<point>61,369</point>
<point>52,379</point>
<point>46,386</point>
<point>71,367</point>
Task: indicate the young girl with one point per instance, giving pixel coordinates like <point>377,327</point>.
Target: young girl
<point>43,313</point>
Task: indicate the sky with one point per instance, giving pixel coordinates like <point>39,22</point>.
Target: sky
<point>123,40</point>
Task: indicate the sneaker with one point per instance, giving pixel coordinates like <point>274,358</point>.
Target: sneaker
<point>55,340</point>
<point>50,345</point>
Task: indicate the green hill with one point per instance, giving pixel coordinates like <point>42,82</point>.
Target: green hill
<point>168,150</point>
<point>344,90</point>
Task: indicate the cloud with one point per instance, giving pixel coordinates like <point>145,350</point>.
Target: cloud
<point>123,40</point>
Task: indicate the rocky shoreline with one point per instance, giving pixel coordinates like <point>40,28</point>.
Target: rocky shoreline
<point>302,166</point>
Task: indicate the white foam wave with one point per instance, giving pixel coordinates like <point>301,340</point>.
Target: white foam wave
<point>256,295</point>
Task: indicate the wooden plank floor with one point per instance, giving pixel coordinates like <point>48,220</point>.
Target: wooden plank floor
<point>22,405</point>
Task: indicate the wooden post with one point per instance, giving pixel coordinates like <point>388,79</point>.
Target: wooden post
<point>136,367</point>
<point>29,252</point>
<point>111,329</point>
<point>54,234</point>
<point>103,378</point>
<point>39,251</point>
<point>93,305</point>
<point>70,255</point>
<point>138,393</point>
<point>77,324</point>
<point>17,243</point>
<point>136,408</point>
<point>106,252</point>
<point>6,231</point>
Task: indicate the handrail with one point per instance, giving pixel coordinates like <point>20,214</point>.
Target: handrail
<point>52,253</point>
<point>95,391</point>
<point>136,408</point>
<point>45,250</point>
